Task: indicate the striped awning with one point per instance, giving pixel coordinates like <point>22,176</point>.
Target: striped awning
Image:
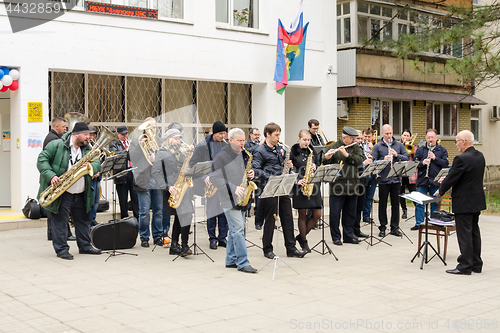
<point>374,92</point>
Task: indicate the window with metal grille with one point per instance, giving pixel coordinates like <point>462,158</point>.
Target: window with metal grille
<point>113,100</point>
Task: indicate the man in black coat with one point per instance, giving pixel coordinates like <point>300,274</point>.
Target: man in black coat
<point>125,183</point>
<point>466,179</point>
<point>269,160</point>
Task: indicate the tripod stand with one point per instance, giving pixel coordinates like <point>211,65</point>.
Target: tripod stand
<point>115,163</point>
<point>373,170</point>
<point>398,170</point>
<point>327,173</point>
<point>276,187</point>
<point>197,170</point>
<point>424,200</point>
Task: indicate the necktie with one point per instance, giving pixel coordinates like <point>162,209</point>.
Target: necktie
<point>125,145</point>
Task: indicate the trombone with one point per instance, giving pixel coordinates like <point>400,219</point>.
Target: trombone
<point>324,136</point>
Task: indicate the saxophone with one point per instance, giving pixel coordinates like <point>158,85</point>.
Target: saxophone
<point>182,183</point>
<point>307,189</point>
<point>211,189</point>
<point>77,171</point>
<point>247,184</point>
<point>286,168</point>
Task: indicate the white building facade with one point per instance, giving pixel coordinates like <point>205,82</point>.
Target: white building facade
<point>199,62</point>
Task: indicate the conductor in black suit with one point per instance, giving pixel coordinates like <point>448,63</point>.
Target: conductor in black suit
<point>466,179</point>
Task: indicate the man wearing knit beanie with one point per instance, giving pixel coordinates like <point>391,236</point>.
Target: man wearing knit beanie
<point>206,151</point>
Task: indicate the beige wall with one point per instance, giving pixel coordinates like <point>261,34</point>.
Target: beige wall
<point>390,68</point>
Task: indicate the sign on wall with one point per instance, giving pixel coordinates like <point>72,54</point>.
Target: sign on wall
<point>6,141</point>
<point>35,112</point>
<point>108,8</point>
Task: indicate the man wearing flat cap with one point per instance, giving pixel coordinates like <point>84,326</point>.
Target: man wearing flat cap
<point>206,151</point>
<point>125,183</point>
<point>345,189</point>
<point>57,157</point>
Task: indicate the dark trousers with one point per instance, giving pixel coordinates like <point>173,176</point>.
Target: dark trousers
<point>360,202</point>
<point>469,242</point>
<point>258,211</point>
<point>216,217</point>
<point>49,227</point>
<point>73,204</point>
<point>384,190</point>
<point>183,231</point>
<point>345,204</point>
<point>269,207</point>
<point>406,184</point>
<point>123,190</point>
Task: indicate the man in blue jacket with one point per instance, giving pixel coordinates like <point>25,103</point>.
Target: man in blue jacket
<point>58,157</point>
<point>432,158</point>
<point>389,149</point>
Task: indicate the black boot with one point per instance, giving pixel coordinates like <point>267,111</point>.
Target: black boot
<point>405,214</point>
<point>175,249</point>
<point>186,251</point>
<point>305,247</point>
<point>299,240</point>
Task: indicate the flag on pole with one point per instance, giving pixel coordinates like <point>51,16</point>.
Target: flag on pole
<point>287,37</point>
<point>296,55</point>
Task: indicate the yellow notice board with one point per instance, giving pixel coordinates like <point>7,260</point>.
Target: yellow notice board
<point>35,112</point>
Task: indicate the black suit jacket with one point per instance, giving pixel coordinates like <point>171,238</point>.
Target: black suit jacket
<point>466,177</point>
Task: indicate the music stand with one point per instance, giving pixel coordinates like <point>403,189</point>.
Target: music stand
<point>424,200</point>
<point>398,170</point>
<point>442,173</point>
<point>197,170</point>
<point>115,163</point>
<point>324,174</point>
<point>373,170</point>
<point>278,186</point>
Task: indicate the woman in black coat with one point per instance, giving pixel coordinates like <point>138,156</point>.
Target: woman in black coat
<point>299,154</point>
<point>165,171</point>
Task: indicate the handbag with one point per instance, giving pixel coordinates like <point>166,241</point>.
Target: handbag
<point>32,209</point>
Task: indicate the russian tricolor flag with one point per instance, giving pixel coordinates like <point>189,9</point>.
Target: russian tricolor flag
<point>292,36</point>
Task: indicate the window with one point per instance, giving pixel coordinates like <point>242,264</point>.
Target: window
<point>243,13</point>
<point>166,8</point>
<point>443,117</point>
<point>372,23</point>
<point>475,124</point>
<point>343,23</point>
<point>395,113</point>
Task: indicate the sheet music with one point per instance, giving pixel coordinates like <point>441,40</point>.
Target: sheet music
<point>417,197</point>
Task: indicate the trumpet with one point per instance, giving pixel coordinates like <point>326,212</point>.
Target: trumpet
<point>149,146</point>
<point>410,149</point>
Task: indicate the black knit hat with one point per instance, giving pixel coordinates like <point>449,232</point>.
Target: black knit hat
<point>80,127</point>
<point>218,127</point>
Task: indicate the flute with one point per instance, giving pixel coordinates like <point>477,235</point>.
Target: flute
<point>337,149</point>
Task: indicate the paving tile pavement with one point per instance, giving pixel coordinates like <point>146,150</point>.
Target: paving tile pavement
<point>369,289</point>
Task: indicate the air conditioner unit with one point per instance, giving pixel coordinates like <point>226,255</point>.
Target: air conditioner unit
<point>495,113</point>
<point>342,110</point>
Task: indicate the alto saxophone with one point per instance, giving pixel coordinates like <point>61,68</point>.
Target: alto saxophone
<point>247,184</point>
<point>286,168</point>
<point>307,189</point>
<point>182,183</point>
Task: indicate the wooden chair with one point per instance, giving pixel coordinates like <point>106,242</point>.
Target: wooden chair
<point>439,231</point>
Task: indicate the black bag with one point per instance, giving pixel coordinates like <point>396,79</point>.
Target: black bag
<point>443,216</point>
<point>32,209</point>
<point>103,206</point>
